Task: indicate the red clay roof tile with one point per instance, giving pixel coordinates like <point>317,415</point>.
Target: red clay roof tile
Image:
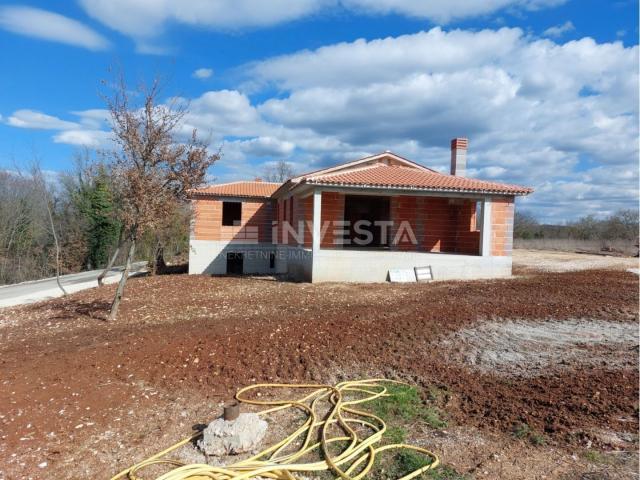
<point>238,189</point>
<point>381,175</point>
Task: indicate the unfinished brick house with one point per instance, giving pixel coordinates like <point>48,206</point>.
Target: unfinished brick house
<point>357,222</point>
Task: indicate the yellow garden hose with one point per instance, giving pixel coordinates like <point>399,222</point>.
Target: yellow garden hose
<point>352,463</point>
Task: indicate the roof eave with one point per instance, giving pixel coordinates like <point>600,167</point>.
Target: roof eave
<point>519,193</point>
<point>215,194</point>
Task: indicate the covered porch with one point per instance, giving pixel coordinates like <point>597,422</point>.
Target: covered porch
<point>363,219</point>
<point>356,234</point>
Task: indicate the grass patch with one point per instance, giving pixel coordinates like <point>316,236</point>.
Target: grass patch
<point>444,472</point>
<point>524,432</point>
<point>595,456</point>
<point>404,403</point>
<point>402,406</point>
<point>439,394</point>
<point>521,430</point>
<point>405,462</point>
<point>395,434</point>
<point>433,417</point>
<point>537,439</point>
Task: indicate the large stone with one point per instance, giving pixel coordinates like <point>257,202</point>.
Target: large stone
<point>243,434</point>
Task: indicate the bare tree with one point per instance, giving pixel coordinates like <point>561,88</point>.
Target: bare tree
<point>41,185</point>
<point>112,259</point>
<point>279,172</point>
<point>525,225</point>
<point>151,168</point>
<point>24,234</point>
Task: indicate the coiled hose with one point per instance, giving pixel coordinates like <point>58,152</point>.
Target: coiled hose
<point>352,463</point>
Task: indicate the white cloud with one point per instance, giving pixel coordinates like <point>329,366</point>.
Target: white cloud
<point>266,147</point>
<point>222,112</point>
<point>559,30</point>
<point>86,138</point>
<point>561,117</point>
<point>94,118</point>
<point>87,131</point>
<point>389,58</point>
<point>34,22</point>
<point>524,87</point>
<point>153,48</point>
<point>536,111</point>
<point>142,19</point>
<point>202,73</point>
<point>37,120</point>
<point>145,20</point>
<point>443,11</point>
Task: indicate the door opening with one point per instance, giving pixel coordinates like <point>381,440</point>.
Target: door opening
<point>365,217</point>
<point>235,263</point>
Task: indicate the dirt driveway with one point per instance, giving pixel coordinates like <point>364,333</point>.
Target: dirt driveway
<point>82,398</point>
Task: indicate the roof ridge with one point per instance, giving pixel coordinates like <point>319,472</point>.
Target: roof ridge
<point>357,169</point>
<point>362,160</point>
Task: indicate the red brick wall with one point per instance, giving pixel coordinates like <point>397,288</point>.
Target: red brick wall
<point>502,211</point>
<point>256,220</point>
<point>449,225</point>
<point>410,210</point>
<point>332,212</point>
<point>439,224</point>
<point>302,212</point>
<point>467,237</point>
<point>306,207</point>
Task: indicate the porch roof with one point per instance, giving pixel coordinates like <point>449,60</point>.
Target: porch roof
<point>238,189</point>
<point>400,177</point>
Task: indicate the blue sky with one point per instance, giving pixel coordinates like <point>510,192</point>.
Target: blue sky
<point>546,90</point>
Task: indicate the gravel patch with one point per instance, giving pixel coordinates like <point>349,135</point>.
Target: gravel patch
<point>533,348</point>
<point>550,261</point>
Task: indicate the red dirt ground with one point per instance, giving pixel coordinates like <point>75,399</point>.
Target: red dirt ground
<point>83,395</point>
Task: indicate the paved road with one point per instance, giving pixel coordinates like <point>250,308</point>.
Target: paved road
<point>35,291</point>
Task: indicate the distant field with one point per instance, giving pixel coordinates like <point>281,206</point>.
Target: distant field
<point>568,261</point>
<point>625,247</point>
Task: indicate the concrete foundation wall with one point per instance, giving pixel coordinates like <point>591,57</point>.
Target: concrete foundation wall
<point>340,265</point>
<point>373,266</point>
<point>210,257</point>
<point>297,262</point>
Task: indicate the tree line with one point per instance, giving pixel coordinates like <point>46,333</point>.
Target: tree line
<point>85,211</point>
<point>129,200</point>
<point>621,225</point>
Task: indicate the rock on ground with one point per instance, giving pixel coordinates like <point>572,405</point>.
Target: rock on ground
<point>241,435</point>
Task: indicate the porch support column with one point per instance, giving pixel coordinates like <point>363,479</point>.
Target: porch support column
<point>317,213</point>
<point>485,230</point>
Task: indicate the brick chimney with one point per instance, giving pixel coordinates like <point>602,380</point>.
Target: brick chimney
<point>459,156</point>
<point>257,179</point>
